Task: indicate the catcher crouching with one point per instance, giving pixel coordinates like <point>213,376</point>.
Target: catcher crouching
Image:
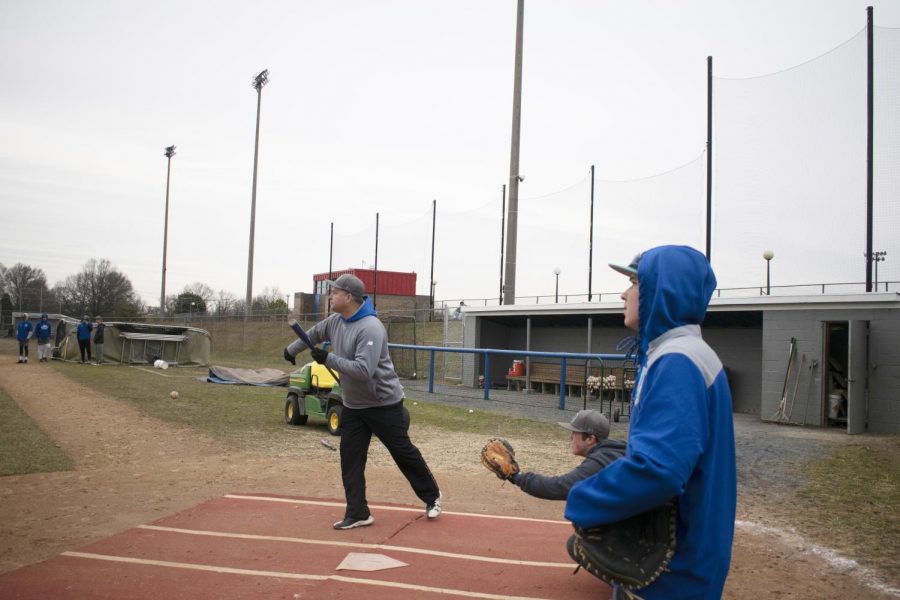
<point>588,439</point>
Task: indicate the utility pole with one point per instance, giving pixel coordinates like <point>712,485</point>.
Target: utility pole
<point>170,152</point>
<point>259,82</point>
<point>509,288</point>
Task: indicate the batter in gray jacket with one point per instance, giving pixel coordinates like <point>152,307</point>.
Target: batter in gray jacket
<point>372,397</point>
<point>590,430</point>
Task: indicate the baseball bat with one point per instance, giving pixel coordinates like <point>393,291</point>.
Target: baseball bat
<point>300,333</point>
<point>305,339</point>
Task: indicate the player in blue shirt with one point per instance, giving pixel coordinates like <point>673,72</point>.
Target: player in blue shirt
<point>681,438</point>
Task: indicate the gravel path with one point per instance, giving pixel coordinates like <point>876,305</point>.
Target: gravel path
<point>770,456</point>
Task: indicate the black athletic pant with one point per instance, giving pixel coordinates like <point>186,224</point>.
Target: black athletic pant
<point>389,424</point>
<point>23,349</point>
<point>85,347</point>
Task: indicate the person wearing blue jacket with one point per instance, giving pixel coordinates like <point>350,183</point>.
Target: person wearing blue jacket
<point>372,398</point>
<point>43,331</point>
<point>681,438</point>
<point>24,331</point>
<point>84,338</point>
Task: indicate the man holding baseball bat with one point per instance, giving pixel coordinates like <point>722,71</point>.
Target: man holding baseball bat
<point>373,399</point>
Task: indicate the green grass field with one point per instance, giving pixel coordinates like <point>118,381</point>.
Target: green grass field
<point>24,447</point>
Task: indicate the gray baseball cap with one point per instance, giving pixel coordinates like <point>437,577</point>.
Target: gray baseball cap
<point>589,421</point>
<point>349,283</point>
<point>629,270</point>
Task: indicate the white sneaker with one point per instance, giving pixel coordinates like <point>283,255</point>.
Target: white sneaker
<point>433,510</point>
<point>350,523</point>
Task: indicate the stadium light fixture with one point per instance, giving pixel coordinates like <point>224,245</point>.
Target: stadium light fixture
<point>169,153</point>
<point>259,82</point>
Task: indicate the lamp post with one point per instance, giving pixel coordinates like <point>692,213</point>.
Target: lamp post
<point>170,152</point>
<point>259,81</point>
<point>556,272</point>
<point>877,257</point>
<point>768,255</point>
<point>193,304</point>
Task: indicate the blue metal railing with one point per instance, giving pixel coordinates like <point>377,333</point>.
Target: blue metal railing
<point>563,357</point>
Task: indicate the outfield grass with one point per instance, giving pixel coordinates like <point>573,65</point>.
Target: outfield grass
<point>855,495</point>
<point>24,447</point>
<point>243,415</point>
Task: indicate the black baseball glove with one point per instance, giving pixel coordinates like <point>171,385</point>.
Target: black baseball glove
<point>630,553</point>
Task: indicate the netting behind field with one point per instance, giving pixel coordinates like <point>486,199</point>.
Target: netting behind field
<point>886,176</point>
<point>790,168</point>
<point>415,364</point>
<point>789,176</point>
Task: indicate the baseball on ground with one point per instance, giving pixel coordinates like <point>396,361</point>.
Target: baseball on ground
<point>174,395</point>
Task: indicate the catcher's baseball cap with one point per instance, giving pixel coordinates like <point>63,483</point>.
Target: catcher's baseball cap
<point>630,270</point>
<point>349,283</point>
<point>589,421</point>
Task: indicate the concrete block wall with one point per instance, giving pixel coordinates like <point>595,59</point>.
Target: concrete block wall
<point>809,404</point>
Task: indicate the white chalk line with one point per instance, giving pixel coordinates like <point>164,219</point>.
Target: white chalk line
<point>832,557</point>
<point>385,547</point>
<point>283,575</point>
<point>395,508</point>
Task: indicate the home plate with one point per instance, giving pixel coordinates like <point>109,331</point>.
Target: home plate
<point>360,561</point>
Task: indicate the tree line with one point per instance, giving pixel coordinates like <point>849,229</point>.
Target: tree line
<point>101,289</point>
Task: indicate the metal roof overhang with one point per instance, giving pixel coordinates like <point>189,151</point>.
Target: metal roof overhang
<point>746,312</point>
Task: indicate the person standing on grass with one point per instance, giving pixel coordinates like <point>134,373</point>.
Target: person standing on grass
<point>84,338</point>
<point>23,334</point>
<point>43,332</point>
<point>372,398</point>
<point>99,330</point>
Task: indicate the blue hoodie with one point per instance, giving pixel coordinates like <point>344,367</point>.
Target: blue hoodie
<point>84,331</point>
<point>681,439</point>
<point>43,331</point>
<point>22,330</point>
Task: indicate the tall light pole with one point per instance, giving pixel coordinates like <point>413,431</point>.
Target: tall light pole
<point>768,255</point>
<point>556,272</point>
<point>509,288</point>
<point>170,152</point>
<point>259,82</point>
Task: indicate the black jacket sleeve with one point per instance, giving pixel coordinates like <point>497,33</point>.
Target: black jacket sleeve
<point>557,487</point>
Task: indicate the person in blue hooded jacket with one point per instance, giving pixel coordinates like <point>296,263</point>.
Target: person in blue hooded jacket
<point>43,331</point>
<point>24,331</point>
<point>84,337</point>
<point>681,437</point>
<point>372,398</point>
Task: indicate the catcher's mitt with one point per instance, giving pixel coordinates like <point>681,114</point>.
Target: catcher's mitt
<point>499,458</point>
<point>631,553</point>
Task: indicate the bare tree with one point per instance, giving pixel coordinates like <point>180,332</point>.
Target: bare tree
<point>225,303</point>
<point>206,293</point>
<point>26,286</point>
<point>99,289</point>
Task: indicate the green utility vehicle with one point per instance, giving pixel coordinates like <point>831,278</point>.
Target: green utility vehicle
<point>313,391</point>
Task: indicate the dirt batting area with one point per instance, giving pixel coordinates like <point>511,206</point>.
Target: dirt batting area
<point>131,469</point>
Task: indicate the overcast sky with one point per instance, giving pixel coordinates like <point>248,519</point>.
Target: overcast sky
<point>372,106</point>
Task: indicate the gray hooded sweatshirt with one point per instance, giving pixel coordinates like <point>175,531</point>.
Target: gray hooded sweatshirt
<point>359,353</point>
